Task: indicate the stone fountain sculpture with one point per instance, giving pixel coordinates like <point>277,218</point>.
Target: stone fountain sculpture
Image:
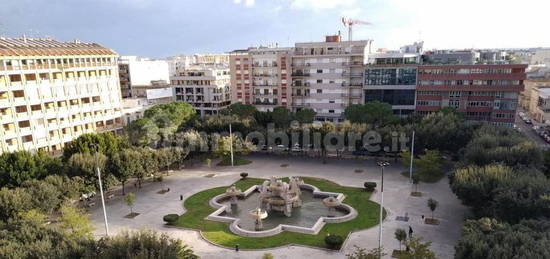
<point>276,195</point>
<point>258,215</point>
<point>331,203</point>
<point>233,193</point>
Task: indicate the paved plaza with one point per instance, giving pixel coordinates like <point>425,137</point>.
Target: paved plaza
<point>397,201</point>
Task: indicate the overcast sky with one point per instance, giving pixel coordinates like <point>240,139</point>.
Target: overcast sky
<point>160,28</point>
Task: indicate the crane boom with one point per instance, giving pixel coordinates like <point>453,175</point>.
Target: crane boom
<point>350,22</point>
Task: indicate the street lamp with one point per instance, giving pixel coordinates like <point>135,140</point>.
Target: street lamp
<point>382,165</point>
<point>231,143</point>
<point>101,189</point>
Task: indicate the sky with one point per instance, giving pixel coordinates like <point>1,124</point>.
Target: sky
<point>161,28</point>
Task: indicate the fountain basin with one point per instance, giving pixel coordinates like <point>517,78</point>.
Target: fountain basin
<point>314,213</point>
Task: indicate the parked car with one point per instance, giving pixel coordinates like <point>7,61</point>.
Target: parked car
<point>296,148</point>
<point>529,122</point>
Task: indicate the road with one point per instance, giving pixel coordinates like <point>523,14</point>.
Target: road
<point>528,131</point>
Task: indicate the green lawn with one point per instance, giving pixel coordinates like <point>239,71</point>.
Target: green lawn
<point>219,233</point>
<point>226,161</point>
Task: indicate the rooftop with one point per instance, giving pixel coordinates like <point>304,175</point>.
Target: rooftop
<point>48,47</point>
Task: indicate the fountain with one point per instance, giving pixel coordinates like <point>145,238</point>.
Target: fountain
<point>277,205</point>
<point>233,192</point>
<point>331,203</point>
<point>276,195</point>
<point>258,215</point>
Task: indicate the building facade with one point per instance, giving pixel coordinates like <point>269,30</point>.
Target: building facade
<point>206,88</point>
<point>328,76</point>
<point>140,74</point>
<point>391,78</point>
<point>261,77</point>
<point>51,92</point>
<point>482,92</point>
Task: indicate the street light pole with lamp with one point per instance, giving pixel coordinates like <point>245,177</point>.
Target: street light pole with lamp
<point>101,189</point>
<point>382,165</point>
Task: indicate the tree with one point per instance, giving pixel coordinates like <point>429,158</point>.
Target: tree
<point>148,164</point>
<point>375,112</point>
<point>142,244</point>
<point>355,113</point>
<point>12,202</point>
<point>240,146</point>
<point>378,112</point>
<point>401,236</point>
<point>432,204</point>
<point>75,223</point>
<point>142,132</point>
<point>130,198</point>
<point>429,166</point>
<point>416,181</point>
<point>417,249</point>
<point>17,167</point>
<point>242,110</point>
<point>444,131</point>
<point>490,238</point>
<point>84,165</point>
<point>125,164</point>
<point>305,115</point>
<point>281,116</point>
<point>475,186</point>
<point>170,114</point>
<point>45,196</point>
<point>107,143</point>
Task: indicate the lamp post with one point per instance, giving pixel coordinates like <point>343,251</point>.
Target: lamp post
<point>101,189</point>
<point>231,143</point>
<point>411,163</point>
<point>382,165</point>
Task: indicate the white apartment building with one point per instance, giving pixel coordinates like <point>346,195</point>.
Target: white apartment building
<point>261,76</point>
<point>180,62</point>
<point>328,76</point>
<point>51,92</point>
<point>137,75</point>
<point>206,88</point>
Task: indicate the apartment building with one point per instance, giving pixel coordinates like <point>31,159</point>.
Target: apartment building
<point>262,77</point>
<point>51,92</point>
<point>483,92</point>
<point>137,75</point>
<point>179,62</point>
<point>206,88</point>
<point>390,77</point>
<point>328,76</point>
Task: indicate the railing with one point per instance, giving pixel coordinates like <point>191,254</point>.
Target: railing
<point>300,74</point>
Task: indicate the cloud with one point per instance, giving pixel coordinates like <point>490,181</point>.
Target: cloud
<point>247,3</point>
<point>317,5</point>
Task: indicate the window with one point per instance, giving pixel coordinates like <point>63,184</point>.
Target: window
<point>330,111</point>
<point>319,91</point>
<point>319,71</point>
<point>319,81</point>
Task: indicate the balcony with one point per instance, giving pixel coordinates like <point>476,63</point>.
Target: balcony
<point>265,103</point>
<point>300,74</point>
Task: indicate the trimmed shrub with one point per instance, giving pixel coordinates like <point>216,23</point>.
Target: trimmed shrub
<point>170,218</point>
<point>244,175</point>
<point>370,186</point>
<point>334,241</point>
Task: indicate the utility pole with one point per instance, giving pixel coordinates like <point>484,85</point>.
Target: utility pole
<point>382,164</point>
<point>101,190</point>
<point>411,163</point>
<point>231,143</point>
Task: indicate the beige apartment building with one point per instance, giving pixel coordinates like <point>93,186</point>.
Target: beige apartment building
<point>262,77</point>
<point>328,76</point>
<point>206,88</point>
<point>51,92</point>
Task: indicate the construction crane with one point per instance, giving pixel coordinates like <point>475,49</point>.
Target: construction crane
<point>350,22</point>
